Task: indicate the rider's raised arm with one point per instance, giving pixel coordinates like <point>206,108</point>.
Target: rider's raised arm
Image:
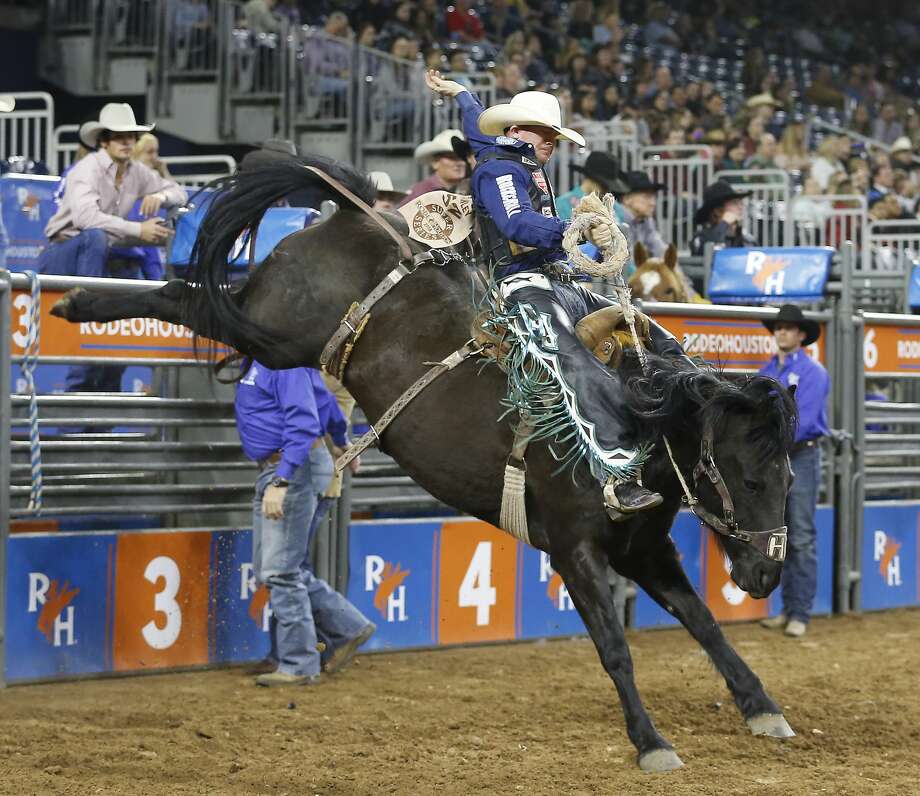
<point>470,110</point>
<point>501,188</point>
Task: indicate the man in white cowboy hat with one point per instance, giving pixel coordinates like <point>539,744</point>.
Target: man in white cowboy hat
<point>447,166</point>
<point>99,195</point>
<point>388,198</point>
<point>521,237</point>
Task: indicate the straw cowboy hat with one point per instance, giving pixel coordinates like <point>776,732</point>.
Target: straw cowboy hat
<point>715,196</point>
<point>527,108</point>
<point>790,313</point>
<point>384,186</point>
<point>761,99</point>
<point>605,170</point>
<point>116,117</point>
<point>902,144</point>
<point>7,103</point>
<point>439,145</point>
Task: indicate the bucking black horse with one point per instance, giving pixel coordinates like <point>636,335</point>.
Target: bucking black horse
<point>729,438</point>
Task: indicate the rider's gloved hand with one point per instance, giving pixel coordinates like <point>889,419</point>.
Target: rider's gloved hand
<point>446,88</point>
<point>601,235</point>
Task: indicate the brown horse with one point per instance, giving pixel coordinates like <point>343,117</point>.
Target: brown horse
<point>450,438</point>
<point>660,278</point>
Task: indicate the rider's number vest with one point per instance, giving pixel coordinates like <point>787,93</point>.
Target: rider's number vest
<point>497,250</point>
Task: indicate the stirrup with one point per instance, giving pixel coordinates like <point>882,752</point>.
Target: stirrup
<point>616,510</point>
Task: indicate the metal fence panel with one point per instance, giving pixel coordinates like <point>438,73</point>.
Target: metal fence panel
<point>614,138</point>
<point>685,171</point>
<point>198,170</point>
<point>445,114</point>
<point>766,210</point>
<point>322,78</point>
<point>28,130</point>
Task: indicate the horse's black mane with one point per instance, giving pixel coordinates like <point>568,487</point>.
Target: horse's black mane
<point>675,393</point>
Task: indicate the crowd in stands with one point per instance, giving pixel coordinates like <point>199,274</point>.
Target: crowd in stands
<point>741,76</point>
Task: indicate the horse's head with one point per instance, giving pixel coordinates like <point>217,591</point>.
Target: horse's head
<point>657,279</point>
<point>731,439</point>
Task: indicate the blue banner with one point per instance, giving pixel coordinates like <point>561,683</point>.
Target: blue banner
<point>26,205</point>
<point>240,611</point>
<point>276,224</point>
<point>769,274</point>
<point>545,607</point>
<point>59,606</point>
<point>889,555</point>
<point>913,289</point>
<point>391,577</point>
<point>687,536</point>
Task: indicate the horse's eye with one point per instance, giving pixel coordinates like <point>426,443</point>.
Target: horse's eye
<point>753,486</point>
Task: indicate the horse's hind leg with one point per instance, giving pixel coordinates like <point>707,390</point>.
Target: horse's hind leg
<point>163,303</point>
<point>584,570</point>
<point>659,572</point>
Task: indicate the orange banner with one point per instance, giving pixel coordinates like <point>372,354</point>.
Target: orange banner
<point>726,600</point>
<point>891,349</point>
<point>732,344</point>
<point>143,338</point>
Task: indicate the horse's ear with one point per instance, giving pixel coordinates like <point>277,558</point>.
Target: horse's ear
<point>640,254</point>
<point>670,256</point>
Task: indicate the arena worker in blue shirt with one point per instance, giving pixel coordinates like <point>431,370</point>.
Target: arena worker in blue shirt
<point>794,368</point>
<point>521,235</point>
<point>282,427</point>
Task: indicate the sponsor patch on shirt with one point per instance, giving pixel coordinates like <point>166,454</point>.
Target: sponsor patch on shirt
<point>540,179</point>
<point>508,194</point>
<point>528,161</point>
<point>503,140</point>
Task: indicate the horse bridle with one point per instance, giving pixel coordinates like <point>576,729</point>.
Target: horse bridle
<point>769,543</point>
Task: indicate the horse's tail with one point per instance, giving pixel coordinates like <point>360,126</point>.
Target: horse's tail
<point>238,204</point>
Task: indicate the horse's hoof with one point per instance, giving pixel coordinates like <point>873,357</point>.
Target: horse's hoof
<point>660,761</point>
<point>63,305</point>
<point>773,725</point>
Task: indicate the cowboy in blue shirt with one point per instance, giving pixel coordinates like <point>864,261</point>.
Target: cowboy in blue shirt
<point>521,235</point>
<point>282,428</point>
<point>794,368</point>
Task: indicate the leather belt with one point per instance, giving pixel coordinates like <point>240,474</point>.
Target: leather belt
<point>798,447</point>
<point>274,458</point>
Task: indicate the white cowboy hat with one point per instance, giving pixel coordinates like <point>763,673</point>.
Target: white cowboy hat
<point>384,184</point>
<point>7,103</point>
<point>761,99</point>
<point>527,108</point>
<point>439,145</point>
<point>902,144</point>
<point>118,117</point>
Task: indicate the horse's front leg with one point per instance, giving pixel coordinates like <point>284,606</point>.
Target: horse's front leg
<point>657,569</point>
<point>583,568</point>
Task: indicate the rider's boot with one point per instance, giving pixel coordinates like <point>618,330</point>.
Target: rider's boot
<point>624,498</point>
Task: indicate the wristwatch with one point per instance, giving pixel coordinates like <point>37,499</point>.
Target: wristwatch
<point>280,482</point>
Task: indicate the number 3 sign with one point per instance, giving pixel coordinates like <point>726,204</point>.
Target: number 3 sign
<point>161,590</point>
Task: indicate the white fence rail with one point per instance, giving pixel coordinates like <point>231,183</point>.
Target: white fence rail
<point>684,171</point>
<point>28,130</point>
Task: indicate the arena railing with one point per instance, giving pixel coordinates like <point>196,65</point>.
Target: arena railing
<point>616,138</point>
<point>766,211</point>
<point>28,131</point>
<point>685,171</point>
<point>392,102</point>
<point>443,114</point>
<point>321,80</point>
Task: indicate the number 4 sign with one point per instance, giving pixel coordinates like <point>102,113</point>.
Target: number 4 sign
<point>478,583</point>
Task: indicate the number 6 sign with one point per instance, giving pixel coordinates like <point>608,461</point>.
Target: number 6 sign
<point>162,594</point>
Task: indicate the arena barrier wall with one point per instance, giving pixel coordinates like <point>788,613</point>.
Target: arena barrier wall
<point>425,582</point>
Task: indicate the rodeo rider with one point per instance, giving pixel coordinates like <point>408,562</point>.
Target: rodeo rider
<point>522,237</point>
<point>793,367</point>
<point>282,417</point>
<point>99,195</point>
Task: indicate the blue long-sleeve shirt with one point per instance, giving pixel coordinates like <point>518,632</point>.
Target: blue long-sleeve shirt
<point>500,190</point>
<point>277,410</point>
<point>331,419</point>
<point>812,386</point>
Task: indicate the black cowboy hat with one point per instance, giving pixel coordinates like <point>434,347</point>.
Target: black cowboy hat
<point>461,147</point>
<point>640,182</point>
<point>716,195</point>
<point>790,313</point>
<point>604,169</point>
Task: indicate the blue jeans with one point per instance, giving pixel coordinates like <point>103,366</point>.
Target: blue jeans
<point>85,255</point>
<point>800,572</point>
<point>299,600</point>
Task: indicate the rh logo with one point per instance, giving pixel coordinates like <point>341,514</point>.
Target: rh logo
<point>885,552</point>
<point>766,272</point>
<point>51,601</point>
<point>386,581</point>
<point>556,591</point>
<point>260,610</point>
